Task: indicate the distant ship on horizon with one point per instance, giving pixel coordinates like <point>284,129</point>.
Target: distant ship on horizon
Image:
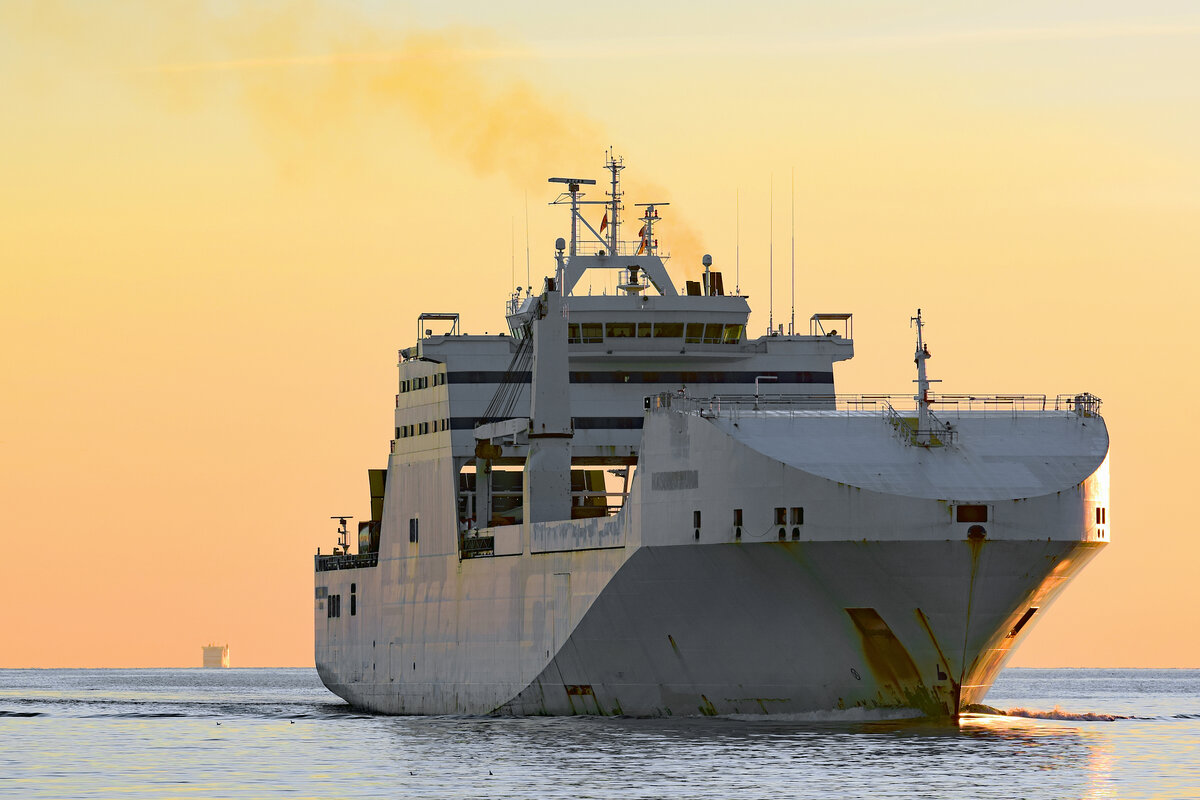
<point>216,656</point>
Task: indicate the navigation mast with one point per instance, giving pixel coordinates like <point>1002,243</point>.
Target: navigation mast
<point>922,381</point>
<point>614,164</point>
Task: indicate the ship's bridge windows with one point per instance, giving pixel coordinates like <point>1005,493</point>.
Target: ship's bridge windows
<point>591,332</point>
<point>573,333</point>
<point>732,334</point>
<point>644,329</point>
<point>619,330</point>
<point>712,333</point>
<point>668,330</point>
<point>695,333</point>
<point>971,513</point>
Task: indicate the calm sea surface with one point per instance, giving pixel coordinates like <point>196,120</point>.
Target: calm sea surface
<point>277,732</point>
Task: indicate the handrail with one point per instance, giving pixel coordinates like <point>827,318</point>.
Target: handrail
<point>946,405</point>
<point>346,561</point>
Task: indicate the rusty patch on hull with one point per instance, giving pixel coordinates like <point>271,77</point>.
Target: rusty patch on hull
<point>892,666</point>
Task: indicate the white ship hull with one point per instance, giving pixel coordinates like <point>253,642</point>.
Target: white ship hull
<point>884,601</point>
<point>564,527</point>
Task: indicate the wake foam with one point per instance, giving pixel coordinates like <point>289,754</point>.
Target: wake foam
<point>1055,713</point>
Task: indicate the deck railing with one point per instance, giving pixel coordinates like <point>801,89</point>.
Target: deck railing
<point>899,411</point>
<point>346,561</point>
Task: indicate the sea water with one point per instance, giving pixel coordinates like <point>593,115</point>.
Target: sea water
<point>277,732</point>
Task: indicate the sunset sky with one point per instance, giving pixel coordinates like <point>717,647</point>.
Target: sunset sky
<point>219,221</point>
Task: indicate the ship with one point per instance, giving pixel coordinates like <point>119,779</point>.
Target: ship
<point>628,505</point>
<point>215,656</point>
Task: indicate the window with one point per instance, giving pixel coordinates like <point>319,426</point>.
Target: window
<point>413,531</point>
<point>573,333</point>
<point>397,436</point>
<point>591,332</point>
<point>1100,515</point>
<point>973,513</point>
<point>643,330</point>
<point>353,599</point>
<point>333,608</point>
<point>733,334</point>
<point>712,333</point>
<point>798,515</point>
<point>737,517</point>
<point>780,516</point>
<point>695,519</point>
<point>668,330</point>
<point>619,330</point>
<point>695,333</point>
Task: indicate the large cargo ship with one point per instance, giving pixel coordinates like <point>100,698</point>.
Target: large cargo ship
<point>627,505</point>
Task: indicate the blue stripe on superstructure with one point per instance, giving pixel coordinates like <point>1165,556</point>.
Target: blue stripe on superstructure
<point>671,377</point>
<point>580,423</point>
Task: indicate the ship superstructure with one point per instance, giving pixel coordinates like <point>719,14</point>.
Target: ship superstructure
<point>626,505</point>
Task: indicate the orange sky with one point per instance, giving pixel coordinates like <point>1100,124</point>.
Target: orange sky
<point>218,225</point>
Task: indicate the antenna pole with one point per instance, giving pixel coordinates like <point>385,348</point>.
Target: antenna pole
<point>771,261</point>
<point>792,324</point>
<point>737,240</point>
<point>922,381</point>
<point>527,238</point>
<point>614,221</point>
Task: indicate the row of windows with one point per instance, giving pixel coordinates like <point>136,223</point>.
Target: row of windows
<point>419,428</point>
<point>1101,515</point>
<point>783,516</point>
<point>333,602</point>
<point>424,382</point>
<point>691,332</point>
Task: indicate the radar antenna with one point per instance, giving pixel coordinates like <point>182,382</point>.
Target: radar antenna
<point>343,536</point>
<point>573,185</point>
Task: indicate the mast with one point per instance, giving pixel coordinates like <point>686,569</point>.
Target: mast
<point>922,381</point>
<point>792,324</point>
<point>614,165</point>
<point>573,185</point>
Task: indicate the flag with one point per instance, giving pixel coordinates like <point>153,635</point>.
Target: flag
<point>642,232</point>
<point>641,247</point>
<point>604,222</point>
